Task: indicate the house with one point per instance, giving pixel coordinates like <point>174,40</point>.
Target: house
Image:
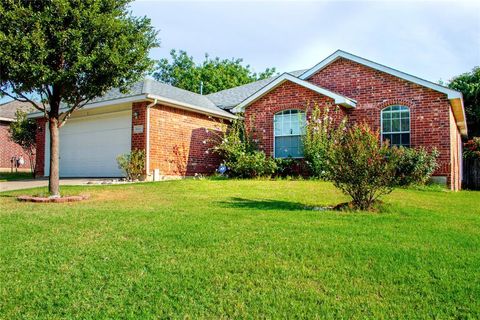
<point>9,150</point>
<point>173,125</point>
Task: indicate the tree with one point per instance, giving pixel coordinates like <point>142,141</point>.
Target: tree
<point>469,84</point>
<point>68,52</point>
<point>210,76</point>
<point>361,167</point>
<point>22,132</point>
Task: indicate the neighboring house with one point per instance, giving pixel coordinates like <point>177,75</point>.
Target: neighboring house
<point>9,150</point>
<point>173,125</point>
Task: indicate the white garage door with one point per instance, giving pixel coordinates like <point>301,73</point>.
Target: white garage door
<point>90,145</point>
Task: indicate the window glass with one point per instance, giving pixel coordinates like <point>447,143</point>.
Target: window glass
<point>395,122</point>
<point>289,126</point>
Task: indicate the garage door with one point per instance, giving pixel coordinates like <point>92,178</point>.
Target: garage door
<point>90,145</point>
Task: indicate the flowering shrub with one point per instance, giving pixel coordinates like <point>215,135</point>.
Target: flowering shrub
<point>240,153</point>
<point>132,164</point>
<point>414,166</point>
<point>361,167</point>
<point>320,136</point>
<point>471,148</point>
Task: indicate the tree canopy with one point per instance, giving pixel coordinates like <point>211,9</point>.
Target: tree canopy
<point>469,84</point>
<point>212,74</point>
<point>68,52</point>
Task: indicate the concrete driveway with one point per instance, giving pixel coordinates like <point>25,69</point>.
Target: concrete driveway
<point>34,183</point>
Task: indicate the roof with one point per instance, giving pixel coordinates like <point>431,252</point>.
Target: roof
<point>230,98</point>
<point>454,96</point>
<point>339,99</point>
<point>8,109</point>
<point>149,89</point>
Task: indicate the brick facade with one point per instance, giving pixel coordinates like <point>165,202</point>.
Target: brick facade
<point>432,123</point>
<point>180,142</point>
<point>9,149</point>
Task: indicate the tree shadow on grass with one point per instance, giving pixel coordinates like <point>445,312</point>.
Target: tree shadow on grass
<point>264,204</point>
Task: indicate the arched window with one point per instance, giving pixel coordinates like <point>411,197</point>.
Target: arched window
<point>396,125</point>
<point>289,127</point>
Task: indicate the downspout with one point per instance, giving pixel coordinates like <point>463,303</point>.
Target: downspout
<point>147,147</point>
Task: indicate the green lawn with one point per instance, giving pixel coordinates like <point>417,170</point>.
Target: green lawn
<point>12,176</point>
<point>239,249</point>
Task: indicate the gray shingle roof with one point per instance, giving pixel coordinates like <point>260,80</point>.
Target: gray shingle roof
<point>149,86</point>
<point>8,109</point>
<point>229,98</point>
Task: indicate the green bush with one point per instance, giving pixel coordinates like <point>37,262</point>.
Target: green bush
<point>321,134</point>
<point>361,167</point>
<point>240,153</point>
<point>252,165</point>
<point>414,166</point>
<point>132,164</point>
<point>472,148</point>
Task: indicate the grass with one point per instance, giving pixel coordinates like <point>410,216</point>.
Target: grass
<point>13,176</point>
<point>239,249</point>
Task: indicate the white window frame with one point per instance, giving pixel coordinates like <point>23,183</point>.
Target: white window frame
<point>291,135</point>
<point>397,132</point>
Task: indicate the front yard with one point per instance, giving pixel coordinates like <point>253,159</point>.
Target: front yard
<point>239,249</point>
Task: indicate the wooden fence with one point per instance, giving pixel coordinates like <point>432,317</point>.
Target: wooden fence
<point>471,174</point>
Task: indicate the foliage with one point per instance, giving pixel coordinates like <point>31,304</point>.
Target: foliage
<point>471,148</point>
<point>252,165</point>
<point>414,166</point>
<point>68,52</point>
<point>23,132</point>
<point>141,250</point>
<point>215,74</point>
<point>291,168</point>
<point>239,152</point>
<point>132,164</point>
<point>362,167</point>
<point>321,134</point>
<point>469,84</point>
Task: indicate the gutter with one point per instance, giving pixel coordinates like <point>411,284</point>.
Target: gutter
<point>191,107</point>
<point>7,119</point>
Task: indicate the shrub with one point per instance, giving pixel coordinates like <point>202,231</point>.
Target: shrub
<point>414,166</point>
<point>361,167</point>
<point>321,134</point>
<point>252,165</point>
<point>472,148</point>
<point>289,167</point>
<point>240,153</point>
<point>132,164</point>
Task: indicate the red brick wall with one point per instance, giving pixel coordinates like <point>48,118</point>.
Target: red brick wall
<point>40,155</point>
<point>9,149</point>
<point>259,115</point>
<point>180,142</point>
<point>373,90</point>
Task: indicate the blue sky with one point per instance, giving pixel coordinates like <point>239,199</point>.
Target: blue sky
<point>432,40</point>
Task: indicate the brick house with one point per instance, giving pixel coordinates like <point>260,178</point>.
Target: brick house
<point>9,149</point>
<point>173,125</point>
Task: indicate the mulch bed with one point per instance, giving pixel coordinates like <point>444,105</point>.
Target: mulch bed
<point>52,199</point>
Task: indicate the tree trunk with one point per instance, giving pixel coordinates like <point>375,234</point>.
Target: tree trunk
<point>54,182</point>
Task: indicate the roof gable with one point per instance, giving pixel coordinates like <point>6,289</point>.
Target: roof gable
<point>455,97</point>
<point>452,94</point>
<point>339,99</point>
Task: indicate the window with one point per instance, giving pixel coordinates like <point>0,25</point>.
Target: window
<point>396,125</point>
<point>289,126</point>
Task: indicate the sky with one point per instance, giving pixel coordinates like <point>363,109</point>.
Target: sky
<point>432,40</point>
